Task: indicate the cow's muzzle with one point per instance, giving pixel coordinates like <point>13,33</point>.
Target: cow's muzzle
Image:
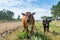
<point>28,19</point>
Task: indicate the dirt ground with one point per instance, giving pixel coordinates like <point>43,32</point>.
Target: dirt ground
<point>8,25</point>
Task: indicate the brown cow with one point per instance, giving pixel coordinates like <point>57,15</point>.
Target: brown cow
<point>28,19</point>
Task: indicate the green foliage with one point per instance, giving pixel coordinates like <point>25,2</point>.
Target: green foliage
<point>46,17</point>
<point>43,17</point>
<point>36,36</point>
<point>55,10</point>
<point>41,36</point>
<point>6,15</point>
<point>22,35</point>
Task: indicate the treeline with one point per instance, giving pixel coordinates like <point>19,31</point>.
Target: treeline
<point>47,17</point>
<point>7,15</point>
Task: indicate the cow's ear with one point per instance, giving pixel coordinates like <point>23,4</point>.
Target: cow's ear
<point>23,14</point>
<point>33,13</point>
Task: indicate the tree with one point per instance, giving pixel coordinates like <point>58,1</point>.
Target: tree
<point>2,14</point>
<point>6,14</point>
<point>18,17</point>
<point>43,17</point>
<point>9,14</point>
<point>55,10</point>
<point>47,17</point>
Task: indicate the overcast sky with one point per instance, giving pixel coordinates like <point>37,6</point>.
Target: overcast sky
<point>41,7</point>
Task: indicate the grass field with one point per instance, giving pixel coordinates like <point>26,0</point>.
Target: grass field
<point>54,33</point>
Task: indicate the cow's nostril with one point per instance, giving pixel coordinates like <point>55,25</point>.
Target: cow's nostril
<point>27,19</point>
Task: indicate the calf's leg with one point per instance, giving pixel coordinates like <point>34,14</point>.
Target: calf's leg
<point>44,30</point>
<point>47,28</point>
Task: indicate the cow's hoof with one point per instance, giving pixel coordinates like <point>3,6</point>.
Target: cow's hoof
<point>32,33</point>
<point>27,37</point>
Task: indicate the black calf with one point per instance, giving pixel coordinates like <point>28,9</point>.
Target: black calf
<point>46,25</point>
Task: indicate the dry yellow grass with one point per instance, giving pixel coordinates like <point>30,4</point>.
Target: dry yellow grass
<point>8,25</point>
<point>13,35</point>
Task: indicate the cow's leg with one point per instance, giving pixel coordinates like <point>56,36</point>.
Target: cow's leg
<point>24,28</point>
<point>27,31</point>
<point>32,30</point>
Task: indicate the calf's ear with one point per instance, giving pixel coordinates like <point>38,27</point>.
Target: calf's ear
<point>33,13</point>
<point>23,14</point>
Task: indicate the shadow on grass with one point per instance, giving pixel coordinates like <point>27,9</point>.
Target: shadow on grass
<point>55,33</point>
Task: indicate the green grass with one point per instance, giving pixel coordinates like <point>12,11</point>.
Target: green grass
<point>54,33</point>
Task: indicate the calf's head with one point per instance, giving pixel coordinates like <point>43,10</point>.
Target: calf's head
<point>28,15</point>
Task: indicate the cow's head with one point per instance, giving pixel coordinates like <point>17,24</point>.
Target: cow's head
<point>28,15</point>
